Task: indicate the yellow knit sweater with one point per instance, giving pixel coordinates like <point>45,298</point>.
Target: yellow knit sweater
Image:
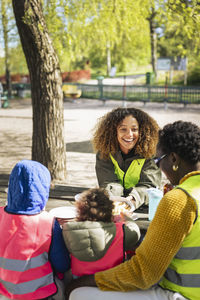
<point>171,224</point>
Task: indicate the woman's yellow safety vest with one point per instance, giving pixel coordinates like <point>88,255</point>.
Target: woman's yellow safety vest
<point>131,177</point>
<point>183,273</point>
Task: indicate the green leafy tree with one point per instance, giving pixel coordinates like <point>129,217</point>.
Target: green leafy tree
<point>18,63</point>
<point>110,29</point>
<point>118,32</point>
<point>183,25</point>
<point>54,13</point>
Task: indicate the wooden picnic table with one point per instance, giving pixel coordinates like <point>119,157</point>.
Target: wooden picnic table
<point>63,195</point>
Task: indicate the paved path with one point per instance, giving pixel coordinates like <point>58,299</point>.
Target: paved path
<point>79,119</point>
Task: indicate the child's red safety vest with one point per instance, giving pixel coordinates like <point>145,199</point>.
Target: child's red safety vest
<point>25,270</point>
<point>114,256</point>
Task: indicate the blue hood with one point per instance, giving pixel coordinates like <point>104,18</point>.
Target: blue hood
<point>28,189</point>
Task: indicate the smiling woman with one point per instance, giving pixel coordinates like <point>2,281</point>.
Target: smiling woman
<point>125,141</point>
<point>128,134</point>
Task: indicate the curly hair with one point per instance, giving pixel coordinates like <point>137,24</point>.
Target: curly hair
<point>182,138</point>
<point>94,205</point>
<point>105,132</point>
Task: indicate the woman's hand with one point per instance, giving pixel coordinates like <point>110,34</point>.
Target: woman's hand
<point>117,198</point>
<point>123,206</point>
<point>130,201</point>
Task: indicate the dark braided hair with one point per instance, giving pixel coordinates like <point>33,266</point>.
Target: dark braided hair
<point>182,138</point>
<point>94,205</point>
<point>105,132</point>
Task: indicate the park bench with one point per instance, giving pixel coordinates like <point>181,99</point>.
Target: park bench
<point>71,91</point>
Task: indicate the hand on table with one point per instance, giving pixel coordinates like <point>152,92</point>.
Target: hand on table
<point>128,200</point>
<point>124,208</point>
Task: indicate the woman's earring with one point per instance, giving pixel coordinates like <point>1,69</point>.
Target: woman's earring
<point>174,168</point>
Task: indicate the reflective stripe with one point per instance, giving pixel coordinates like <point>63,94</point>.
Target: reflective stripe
<point>188,253</point>
<point>185,280</point>
<point>23,265</point>
<point>29,286</point>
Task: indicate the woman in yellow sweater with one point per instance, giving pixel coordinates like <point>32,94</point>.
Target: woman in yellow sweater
<point>167,262</point>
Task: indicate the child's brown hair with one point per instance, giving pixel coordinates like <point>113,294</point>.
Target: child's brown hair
<point>94,205</point>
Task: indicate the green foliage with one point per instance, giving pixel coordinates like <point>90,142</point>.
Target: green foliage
<point>55,21</point>
<point>84,30</point>
<point>7,31</point>
<point>127,37</point>
<point>194,76</point>
<point>96,26</point>
<point>183,25</point>
<point>18,62</point>
<point>194,71</point>
<point>2,66</point>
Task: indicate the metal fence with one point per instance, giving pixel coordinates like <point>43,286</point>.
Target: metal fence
<point>145,93</point>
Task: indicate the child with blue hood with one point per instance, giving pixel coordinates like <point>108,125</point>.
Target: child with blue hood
<point>32,248</point>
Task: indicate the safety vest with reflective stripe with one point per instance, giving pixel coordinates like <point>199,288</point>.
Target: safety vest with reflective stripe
<point>131,177</point>
<point>25,270</point>
<point>183,273</point>
<point>114,256</point>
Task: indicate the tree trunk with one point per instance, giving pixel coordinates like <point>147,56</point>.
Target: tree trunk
<point>8,82</point>
<point>5,37</point>
<point>48,145</point>
<point>153,38</point>
<point>108,57</point>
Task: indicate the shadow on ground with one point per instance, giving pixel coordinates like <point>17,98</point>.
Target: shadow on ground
<point>82,147</point>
